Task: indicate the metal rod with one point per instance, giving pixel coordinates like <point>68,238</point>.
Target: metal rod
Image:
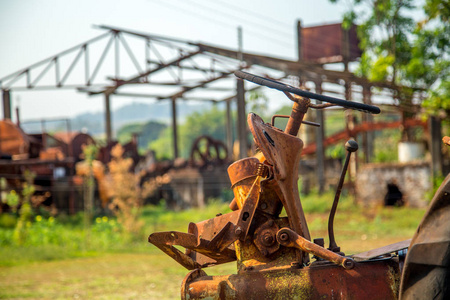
<point>130,54</point>
<point>72,65</point>
<point>289,238</point>
<point>351,146</point>
<point>42,73</point>
<point>102,58</point>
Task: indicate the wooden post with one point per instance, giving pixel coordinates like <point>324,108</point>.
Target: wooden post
<point>241,118</point>
<point>6,104</point>
<point>174,128</point>
<point>108,128</point>
<point>320,137</point>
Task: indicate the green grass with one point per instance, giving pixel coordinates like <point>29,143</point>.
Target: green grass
<point>60,260</point>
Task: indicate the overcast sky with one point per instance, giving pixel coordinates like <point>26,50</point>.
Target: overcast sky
<point>32,30</point>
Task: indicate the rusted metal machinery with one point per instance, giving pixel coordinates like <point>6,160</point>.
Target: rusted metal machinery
<point>275,256</point>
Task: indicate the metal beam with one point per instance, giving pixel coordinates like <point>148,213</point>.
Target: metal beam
<point>299,41</point>
<point>311,71</point>
<point>137,78</point>
<point>200,85</point>
<point>108,128</point>
<point>435,145</point>
<point>229,127</point>
<point>320,137</point>
<point>160,97</point>
<point>174,128</point>
<point>368,137</point>
<point>241,118</point>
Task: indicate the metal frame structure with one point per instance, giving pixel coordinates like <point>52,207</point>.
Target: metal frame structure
<point>184,68</point>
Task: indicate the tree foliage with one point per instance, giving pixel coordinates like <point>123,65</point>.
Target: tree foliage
<point>148,132</point>
<point>209,122</point>
<point>397,49</point>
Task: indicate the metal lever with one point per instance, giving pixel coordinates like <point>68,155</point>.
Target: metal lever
<point>350,146</point>
<point>288,238</point>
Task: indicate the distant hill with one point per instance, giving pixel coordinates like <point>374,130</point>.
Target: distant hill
<point>136,112</point>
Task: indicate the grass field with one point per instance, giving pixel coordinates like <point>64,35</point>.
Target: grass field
<point>62,261</point>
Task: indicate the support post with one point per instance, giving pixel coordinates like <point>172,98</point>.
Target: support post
<point>320,137</point>
<point>345,48</point>
<point>241,118</point>
<point>435,145</point>
<point>368,137</point>
<point>6,94</point>
<point>229,127</point>
<point>299,41</point>
<point>108,119</point>
<point>174,128</point>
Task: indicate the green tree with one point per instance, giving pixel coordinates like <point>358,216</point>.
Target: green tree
<point>209,122</point>
<point>410,55</point>
<point>148,132</point>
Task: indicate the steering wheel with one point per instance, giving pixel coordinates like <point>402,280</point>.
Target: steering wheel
<point>290,89</point>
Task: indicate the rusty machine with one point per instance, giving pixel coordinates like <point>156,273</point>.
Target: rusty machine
<point>276,258</point>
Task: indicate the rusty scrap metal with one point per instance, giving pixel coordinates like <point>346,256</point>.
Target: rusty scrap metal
<point>289,238</point>
<point>209,151</point>
<point>273,252</point>
<point>376,279</point>
<point>446,140</point>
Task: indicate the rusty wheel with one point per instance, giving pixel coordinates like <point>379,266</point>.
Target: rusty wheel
<point>206,150</point>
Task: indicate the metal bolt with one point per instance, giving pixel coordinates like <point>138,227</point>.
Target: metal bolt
<point>349,264</point>
<point>238,231</point>
<point>270,223</point>
<point>284,236</point>
<point>268,239</point>
<point>263,205</point>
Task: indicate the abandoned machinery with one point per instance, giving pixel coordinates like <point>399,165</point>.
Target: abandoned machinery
<point>275,256</point>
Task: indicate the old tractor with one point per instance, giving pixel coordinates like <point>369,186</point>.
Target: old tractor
<point>276,258</point>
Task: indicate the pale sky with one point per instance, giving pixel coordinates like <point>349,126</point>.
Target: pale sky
<point>32,30</point>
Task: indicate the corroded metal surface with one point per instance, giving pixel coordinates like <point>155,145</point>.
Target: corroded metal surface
<point>282,151</point>
<point>274,263</point>
<point>289,238</point>
<point>368,280</point>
